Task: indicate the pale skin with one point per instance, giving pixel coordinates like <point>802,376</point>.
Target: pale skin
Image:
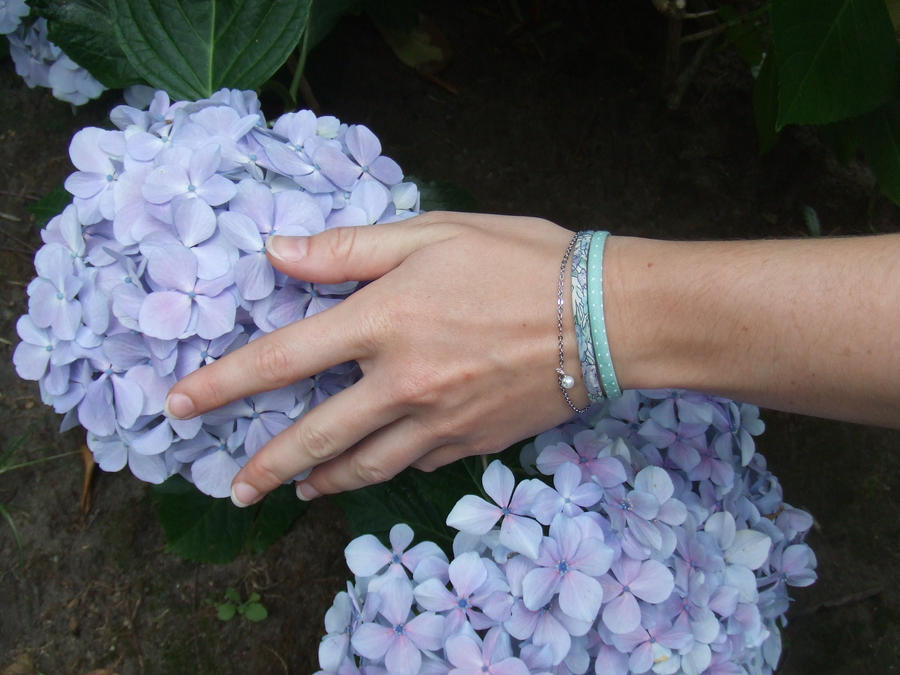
<point>456,337</point>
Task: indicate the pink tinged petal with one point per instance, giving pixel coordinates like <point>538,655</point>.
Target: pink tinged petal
<point>473,515</point>
<point>400,536</point>
<point>594,557</point>
<point>296,213</point>
<point>580,596</point>
<point>426,631</point>
<point>403,657</point>
<point>30,361</point>
<point>148,468</point>
<point>549,631</point>
<point>83,185</point>
<point>165,315</point>
<point>656,481</point>
<point>164,183</point>
<point>96,413</point>
<point>254,276</point>
<point>129,399</point>
<point>366,555</point>
<point>336,166</point>
<point>522,535</point>
<point>610,661</point>
<point>539,587</point>
<point>213,259</point>
<point>586,495</point>
<point>646,533</point>
<point>363,145</point>
<point>498,482</point>
<point>241,231</point>
<point>750,548</point>
<point>467,573</point>
<point>463,652</point>
<point>172,267</point>
<point>643,505</point>
<point>213,473</point>
<point>433,596</point>
<point>684,456</point>
<point>386,170</point>
<point>521,622</point>
<point>622,614</point>
<point>109,453</point>
<point>655,582</point>
<point>372,197</point>
<point>333,651</point>
<point>673,512</point>
<point>216,315</point>
<point>216,190</point>
<point>194,221</point>
<point>372,640</point>
<point>397,597</point>
<point>509,666</point>
<point>641,659</point>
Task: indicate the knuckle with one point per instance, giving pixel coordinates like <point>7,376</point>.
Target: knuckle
<point>272,363</point>
<point>370,472</point>
<point>420,389</point>
<point>264,475</point>
<point>341,242</point>
<point>315,442</point>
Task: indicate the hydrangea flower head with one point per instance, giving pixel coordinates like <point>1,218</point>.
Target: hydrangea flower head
<point>158,267</point>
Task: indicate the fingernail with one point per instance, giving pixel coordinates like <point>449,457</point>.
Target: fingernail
<point>244,494</point>
<point>179,406</point>
<point>287,249</point>
<point>306,492</point>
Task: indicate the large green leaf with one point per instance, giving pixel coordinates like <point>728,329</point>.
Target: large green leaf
<point>84,30</point>
<point>192,48</point>
<point>880,140</point>
<point>211,530</point>
<point>835,58</point>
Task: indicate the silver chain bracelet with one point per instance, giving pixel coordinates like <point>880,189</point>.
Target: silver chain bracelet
<point>565,380</point>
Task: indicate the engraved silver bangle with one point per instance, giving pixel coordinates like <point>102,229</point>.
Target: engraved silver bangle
<point>565,380</point>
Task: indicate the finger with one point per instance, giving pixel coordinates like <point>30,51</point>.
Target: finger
<point>314,439</point>
<point>443,456</point>
<point>378,458</point>
<point>355,253</point>
<point>297,351</point>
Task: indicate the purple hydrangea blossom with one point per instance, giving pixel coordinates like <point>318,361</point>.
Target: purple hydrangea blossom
<point>158,268</point>
<point>40,62</point>
<point>639,568</point>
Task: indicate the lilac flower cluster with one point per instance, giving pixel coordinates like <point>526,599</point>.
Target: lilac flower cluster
<point>657,541</point>
<point>40,62</point>
<point>158,267</point>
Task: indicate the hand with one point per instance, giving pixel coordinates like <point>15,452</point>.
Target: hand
<point>456,338</point>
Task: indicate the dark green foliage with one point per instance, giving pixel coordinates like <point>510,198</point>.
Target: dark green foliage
<point>444,196</point>
<point>201,528</point>
<point>84,30</point>
<point>193,48</point>
<point>836,60</point>
<point>50,205</point>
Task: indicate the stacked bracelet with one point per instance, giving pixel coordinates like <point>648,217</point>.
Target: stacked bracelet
<point>605,368</point>
<point>582,317</point>
<point>586,250</point>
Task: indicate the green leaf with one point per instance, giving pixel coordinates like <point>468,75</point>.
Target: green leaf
<point>232,594</point>
<point>199,527</point>
<point>277,513</point>
<point>444,196</point>
<point>226,611</point>
<point>421,500</point>
<point>50,205</point>
<point>836,59</point>
<point>747,37</point>
<point>84,30</point>
<point>253,611</point>
<point>880,140</point>
<point>192,48</point>
<point>765,104</point>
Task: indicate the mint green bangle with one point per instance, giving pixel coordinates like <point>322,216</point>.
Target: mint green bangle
<point>598,319</point>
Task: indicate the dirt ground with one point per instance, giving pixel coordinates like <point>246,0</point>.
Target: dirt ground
<point>559,117</point>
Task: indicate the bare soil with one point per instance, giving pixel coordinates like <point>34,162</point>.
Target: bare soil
<point>558,116</point>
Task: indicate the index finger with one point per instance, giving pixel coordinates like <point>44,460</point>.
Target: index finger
<point>297,351</point>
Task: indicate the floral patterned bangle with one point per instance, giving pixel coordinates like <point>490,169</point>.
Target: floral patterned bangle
<point>582,316</point>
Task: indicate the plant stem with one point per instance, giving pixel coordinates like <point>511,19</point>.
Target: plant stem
<point>23,465</point>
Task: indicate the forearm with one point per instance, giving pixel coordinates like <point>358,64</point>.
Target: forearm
<point>810,326</point>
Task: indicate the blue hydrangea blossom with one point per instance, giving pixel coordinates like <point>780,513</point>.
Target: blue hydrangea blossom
<point>158,268</point>
<point>638,568</point>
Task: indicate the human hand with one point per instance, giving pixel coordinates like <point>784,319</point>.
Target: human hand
<point>456,338</point>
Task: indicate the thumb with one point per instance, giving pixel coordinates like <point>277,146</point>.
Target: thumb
<point>354,253</point>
